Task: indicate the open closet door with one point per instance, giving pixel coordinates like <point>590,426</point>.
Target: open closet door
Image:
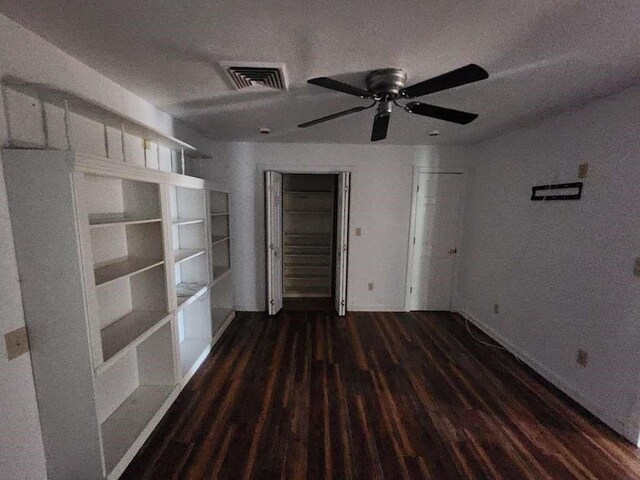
<point>273,190</point>
<point>342,241</point>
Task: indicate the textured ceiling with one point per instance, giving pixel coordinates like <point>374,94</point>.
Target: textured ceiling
<point>542,57</point>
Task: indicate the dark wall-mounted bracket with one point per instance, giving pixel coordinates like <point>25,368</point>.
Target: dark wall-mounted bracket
<point>560,191</point>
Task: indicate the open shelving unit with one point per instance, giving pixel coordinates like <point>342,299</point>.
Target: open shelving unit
<point>126,247</point>
<point>220,256</point>
<point>308,206</point>
<point>118,295</point>
<point>222,311</point>
<point>188,237</point>
<point>191,272</point>
<point>135,374</point>
<point>132,391</point>
<point>194,335</point>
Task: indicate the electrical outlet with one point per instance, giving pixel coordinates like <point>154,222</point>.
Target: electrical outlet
<point>496,308</point>
<point>358,231</point>
<point>636,267</point>
<point>582,358</point>
<point>583,170</point>
<point>17,343</point>
<point>371,286</point>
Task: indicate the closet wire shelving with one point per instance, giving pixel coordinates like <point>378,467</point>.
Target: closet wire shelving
<point>308,236</point>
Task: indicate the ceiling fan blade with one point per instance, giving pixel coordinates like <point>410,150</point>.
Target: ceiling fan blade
<point>332,116</point>
<point>380,127</point>
<point>455,78</point>
<point>441,113</point>
<point>339,86</point>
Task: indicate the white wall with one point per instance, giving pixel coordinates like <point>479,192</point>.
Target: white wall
<point>562,272</point>
<point>27,56</point>
<point>380,204</point>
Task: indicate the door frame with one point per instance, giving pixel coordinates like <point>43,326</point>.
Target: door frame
<point>269,252</point>
<point>417,171</point>
<point>260,170</point>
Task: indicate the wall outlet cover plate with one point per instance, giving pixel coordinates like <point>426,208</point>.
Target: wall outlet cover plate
<point>17,342</point>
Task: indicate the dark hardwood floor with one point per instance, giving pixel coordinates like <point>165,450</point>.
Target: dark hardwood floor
<point>306,304</point>
<point>309,395</point>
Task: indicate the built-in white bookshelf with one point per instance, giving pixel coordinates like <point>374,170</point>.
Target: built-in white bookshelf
<point>222,310</point>
<point>132,391</point>
<point>194,335</point>
<point>221,304</point>
<point>127,250</point>
<point>220,254</point>
<point>118,287</point>
<point>189,242</point>
<point>191,257</point>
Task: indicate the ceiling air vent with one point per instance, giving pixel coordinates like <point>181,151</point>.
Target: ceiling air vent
<point>248,74</point>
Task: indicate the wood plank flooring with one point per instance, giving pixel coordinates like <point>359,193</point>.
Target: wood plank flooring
<point>308,395</point>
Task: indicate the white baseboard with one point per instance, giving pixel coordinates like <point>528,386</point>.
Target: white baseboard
<point>627,431</point>
<point>374,308</point>
<point>350,308</point>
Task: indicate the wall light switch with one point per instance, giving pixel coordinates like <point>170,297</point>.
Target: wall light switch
<point>636,267</point>
<point>371,286</point>
<point>358,231</point>
<point>17,343</point>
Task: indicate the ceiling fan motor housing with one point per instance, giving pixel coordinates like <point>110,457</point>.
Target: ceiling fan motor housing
<point>386,83</point>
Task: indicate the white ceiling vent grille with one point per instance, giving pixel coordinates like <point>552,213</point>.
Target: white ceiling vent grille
<point>248,74</point>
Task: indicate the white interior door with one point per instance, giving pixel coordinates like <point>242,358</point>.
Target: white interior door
<point>435,240</point>
<point>273,191</point>
<point>342,241</point>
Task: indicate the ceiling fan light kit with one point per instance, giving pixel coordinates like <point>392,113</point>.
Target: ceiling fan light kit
<point>386,86</point>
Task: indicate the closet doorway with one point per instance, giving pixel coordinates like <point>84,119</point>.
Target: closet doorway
<point>307,219</point>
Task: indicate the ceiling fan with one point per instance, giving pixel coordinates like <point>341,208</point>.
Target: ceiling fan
<point>386,86</point>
